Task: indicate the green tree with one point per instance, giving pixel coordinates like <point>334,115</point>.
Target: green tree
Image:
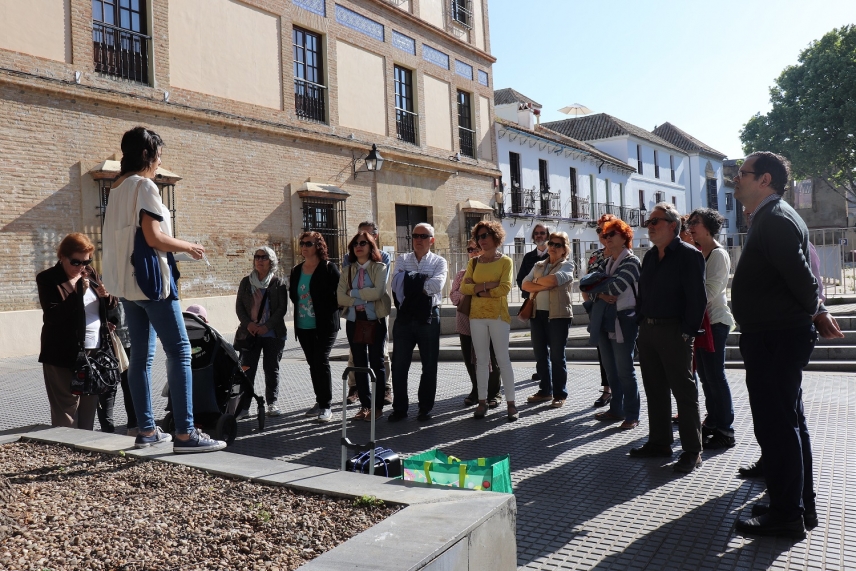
<point>813,117</point>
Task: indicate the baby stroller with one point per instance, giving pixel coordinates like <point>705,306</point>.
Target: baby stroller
<point>219,382</point>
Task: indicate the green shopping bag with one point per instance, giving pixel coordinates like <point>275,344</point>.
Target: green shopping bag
<point>439,469</point>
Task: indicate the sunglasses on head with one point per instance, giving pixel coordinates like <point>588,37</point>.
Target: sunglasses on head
<point>306,244</point>
<point>421,236</point>
<point>261,257</point>
<point>78,263</point>
<point>556,244</point>
<point>361,243</point>
<point>652,222</point>
<point>608,234</point>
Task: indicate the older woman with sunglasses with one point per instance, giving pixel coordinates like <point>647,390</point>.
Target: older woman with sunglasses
<point>312,289</point>
<point>363,292</point>
<point>261,305</point>
<point>462,328</point>
<point>617,340</point>
<point>489,282</point>
<point>70,295</point>
<point>550,284</point>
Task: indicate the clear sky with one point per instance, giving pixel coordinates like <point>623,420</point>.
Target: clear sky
<point>703,66</point>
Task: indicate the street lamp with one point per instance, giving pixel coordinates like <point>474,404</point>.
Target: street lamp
<point>372,161</point>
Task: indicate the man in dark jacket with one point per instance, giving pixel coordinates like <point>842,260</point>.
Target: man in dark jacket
<point>539,236</point>
<point>670,307</point>
<point>775,302</point>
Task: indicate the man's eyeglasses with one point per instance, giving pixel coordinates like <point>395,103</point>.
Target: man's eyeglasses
<point>307,244</point>
<point>652,222</point>
<point>263,257</point>
<point>471,250</point>
<point>539,233</point>
<point>741,174</point>
<point>420,236</point>
<point>78,263</point>
<point>556,244</point>
<point>361,243</point>
<point>608,234</point>
<point>482,236</point>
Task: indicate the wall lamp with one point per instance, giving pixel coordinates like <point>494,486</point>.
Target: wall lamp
<point>372,162</point>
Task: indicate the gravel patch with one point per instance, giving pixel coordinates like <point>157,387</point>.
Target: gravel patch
<point>62,508</point>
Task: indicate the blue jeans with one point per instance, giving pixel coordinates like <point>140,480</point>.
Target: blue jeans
<point>407,335</point>
<point>549,340</point>
<point>148,320</point>
<point>774,363</point>
<point>618,362</point>
<point>711,373</point>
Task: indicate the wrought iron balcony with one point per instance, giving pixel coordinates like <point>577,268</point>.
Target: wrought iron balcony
<point>309,100</point>
<point>406,123</point>
<point>580,209</point>
<point>120,52</point>
<point>601,208</point>
<point>631,216</point>
<point>530,202</point>
<point>467,140</point>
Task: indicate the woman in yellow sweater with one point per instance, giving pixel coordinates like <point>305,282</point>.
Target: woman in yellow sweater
<point>488,280</point>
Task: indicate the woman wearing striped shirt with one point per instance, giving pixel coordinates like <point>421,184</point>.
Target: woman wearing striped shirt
<point>617,346</point>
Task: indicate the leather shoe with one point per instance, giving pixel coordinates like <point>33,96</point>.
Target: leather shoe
<point>396,416</point>
<point>423,415</point>
<point>753,470</point>
<point>649,450</point>
<point>604,399</point>
<point>809,516</point>
<point>539,397</point>
<point>687,462</point>
<point>766,525</point>
<point>387,397</point>
<point>352,395</point>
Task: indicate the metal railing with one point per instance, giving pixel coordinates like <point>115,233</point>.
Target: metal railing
<point>467,140</point>
<point>309,100</point>
<point>461,12</point>
<point>580,208</point>
<point>630,215</point>
<point>120,52</point>
<point>406,123</point>
<point>601,208</point>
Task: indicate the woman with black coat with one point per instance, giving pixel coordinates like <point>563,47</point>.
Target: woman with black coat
<point>312,289</point>
<point>70,294</point>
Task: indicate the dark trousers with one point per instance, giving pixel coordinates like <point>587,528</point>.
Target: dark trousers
<point>269,349</point>
<point>316,345</point>
<point>666,363</point>
<point>368,356</point>
<point>711,373</point>
<point>408,334</point>
<point>107,401</point>
<point>774,361</point>
<point>604,381</point>
<point>492,379</point>
<point>549,341</point>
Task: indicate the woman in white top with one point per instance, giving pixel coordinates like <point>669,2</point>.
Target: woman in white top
<point>717,429</point>
<point>135,203</point>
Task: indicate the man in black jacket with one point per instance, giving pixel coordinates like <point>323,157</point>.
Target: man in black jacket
<point>670,307</point>
<point>539,236</point>
<point>775,302</point>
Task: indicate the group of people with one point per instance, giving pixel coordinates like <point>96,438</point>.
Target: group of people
<point>669,309</point>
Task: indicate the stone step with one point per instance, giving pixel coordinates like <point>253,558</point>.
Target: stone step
<point>579,338</point>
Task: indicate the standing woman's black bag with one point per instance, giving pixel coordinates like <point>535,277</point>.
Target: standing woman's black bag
<point>96,373</point>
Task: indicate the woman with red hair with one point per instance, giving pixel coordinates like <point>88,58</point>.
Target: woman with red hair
<point>617,339</point>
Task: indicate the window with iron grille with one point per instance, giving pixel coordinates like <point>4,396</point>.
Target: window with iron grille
<point>461,12</point>
<point>641,199</point>
<point>120,43</point>
<point>308,76</point>
<point>675,201</point>
<point>656,164</point>
<point>729,202</point>
<point>725,223</point>
<point>659,197</point>
<point>471,220</point>
<point>516,188</point>
<point>466,134</point>
<point>672,166</point>
<point>327,217</point>
<point>544,182</point>
<point>519,245</point>
<point>639,158</point>
<point>712,199</point>
<point>406,120</point>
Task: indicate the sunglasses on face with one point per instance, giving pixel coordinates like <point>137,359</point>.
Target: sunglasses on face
<point>78,263</point>
<point>556,244</point>
<point>471,250</point>
<point>483,236</point>
<point>608,234</point>
<point>306,244</point>
<point>361,243</point>
<point>652,222</point>
<point>420,236</point>
<point>598,230</point>
<point>263,257</point>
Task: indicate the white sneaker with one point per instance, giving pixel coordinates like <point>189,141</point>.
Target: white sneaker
<point>326,415</point>
<point>314,411</point>
<point>242,415</point>
<point>273,410</point>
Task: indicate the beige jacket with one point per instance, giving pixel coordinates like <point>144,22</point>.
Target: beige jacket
<point>379,293</point>
<point>560,296</point>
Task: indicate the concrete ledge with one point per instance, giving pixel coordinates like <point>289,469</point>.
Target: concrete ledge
<point>438,529</point>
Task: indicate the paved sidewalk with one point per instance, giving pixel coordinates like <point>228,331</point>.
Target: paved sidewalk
<point>582,503</point>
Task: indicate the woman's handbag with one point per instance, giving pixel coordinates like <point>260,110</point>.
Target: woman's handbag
<point>364,331</point>
<point>119,352</point>
<point>527,310</point>
<point>243,340</point>
<point>96,372</point>
<point>467,300</point>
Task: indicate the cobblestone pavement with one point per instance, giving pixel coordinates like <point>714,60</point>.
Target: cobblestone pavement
<point>582,503</point>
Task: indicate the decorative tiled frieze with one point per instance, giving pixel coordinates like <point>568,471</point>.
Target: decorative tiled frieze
<point>464,69</point>
<point>404,43</point>
<point>359,23</point>
<point>483,78</point>
<point>315,6</point>
<point>435,56</point>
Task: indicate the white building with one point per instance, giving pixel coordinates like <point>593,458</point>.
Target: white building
<point>548,177</point>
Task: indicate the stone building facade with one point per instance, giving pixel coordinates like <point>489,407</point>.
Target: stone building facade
<point>266,107</point>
